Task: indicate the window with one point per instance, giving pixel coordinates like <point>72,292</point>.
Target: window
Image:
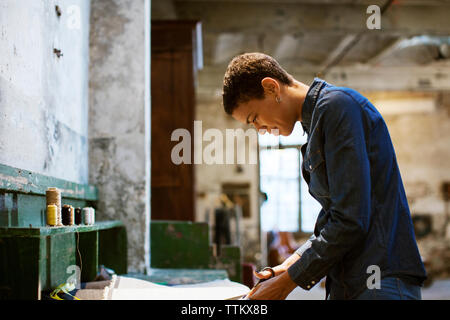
<point>289,206</point>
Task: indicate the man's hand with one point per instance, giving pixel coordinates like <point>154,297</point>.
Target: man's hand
<point>277,288</point>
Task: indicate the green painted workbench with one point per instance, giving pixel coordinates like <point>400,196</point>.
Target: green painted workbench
<point>35,257</point>
<point>184,244</point>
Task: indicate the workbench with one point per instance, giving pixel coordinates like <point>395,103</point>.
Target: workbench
<point>35,257</point>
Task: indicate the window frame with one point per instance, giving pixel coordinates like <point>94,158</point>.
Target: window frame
<point>300,233</point>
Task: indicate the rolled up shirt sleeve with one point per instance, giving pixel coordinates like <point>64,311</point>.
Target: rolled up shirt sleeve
<point>348,173</point>
<point>305,246</point>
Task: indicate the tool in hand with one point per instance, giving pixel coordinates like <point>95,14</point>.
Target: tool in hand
<point>261,279</point>
<point>244,296</point>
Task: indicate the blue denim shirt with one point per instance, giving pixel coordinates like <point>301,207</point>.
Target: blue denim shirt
<point>350,167</point>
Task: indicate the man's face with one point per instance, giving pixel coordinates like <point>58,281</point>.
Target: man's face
<point>266,115</point>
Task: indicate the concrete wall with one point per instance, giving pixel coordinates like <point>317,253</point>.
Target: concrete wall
<point>43,98</point>
<point>119,118</point>
<point>421,140</point>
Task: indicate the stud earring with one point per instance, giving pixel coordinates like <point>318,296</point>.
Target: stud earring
<point>278,99</point>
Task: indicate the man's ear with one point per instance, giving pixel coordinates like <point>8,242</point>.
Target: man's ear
<point>271,86</point>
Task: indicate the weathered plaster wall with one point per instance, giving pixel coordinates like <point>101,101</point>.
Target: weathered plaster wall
<point>421,141</point>
<point>43,98</point>
<point>119,118</point>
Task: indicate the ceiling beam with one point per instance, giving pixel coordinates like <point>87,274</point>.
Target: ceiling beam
<point>290,18</point>
<point>337,54</point>
<point>324,2</point>
<point>347,44</point>
<point>429,78</point>
<point>385,52</point>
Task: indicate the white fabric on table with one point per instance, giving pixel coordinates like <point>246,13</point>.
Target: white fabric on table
<point>125,288</point>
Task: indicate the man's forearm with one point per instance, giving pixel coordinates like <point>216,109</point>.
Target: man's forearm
<point>291,260</point>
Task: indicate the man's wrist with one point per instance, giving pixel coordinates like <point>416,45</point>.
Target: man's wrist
<point>287,282</point>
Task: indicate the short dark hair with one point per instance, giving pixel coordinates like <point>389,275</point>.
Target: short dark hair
<point>242,80</point>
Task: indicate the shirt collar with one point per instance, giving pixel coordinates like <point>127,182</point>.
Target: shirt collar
<point>310,103</point>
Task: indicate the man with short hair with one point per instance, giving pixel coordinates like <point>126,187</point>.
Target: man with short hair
<point>350,167</point>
